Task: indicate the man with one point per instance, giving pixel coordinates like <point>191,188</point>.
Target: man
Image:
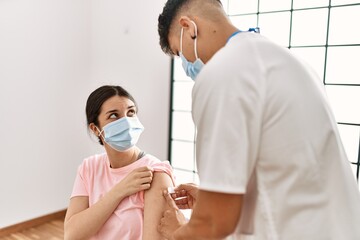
<point>270,160</point>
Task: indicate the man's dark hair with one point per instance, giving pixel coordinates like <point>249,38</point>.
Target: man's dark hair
<point>170,10</point>
<point>165,20</point>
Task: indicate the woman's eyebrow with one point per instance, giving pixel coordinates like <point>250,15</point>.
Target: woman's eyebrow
<point>115,110</point>
<point>111,111</point>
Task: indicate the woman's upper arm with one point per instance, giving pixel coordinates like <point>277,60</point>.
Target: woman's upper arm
<point>155,205</point>
<point>76,205</point>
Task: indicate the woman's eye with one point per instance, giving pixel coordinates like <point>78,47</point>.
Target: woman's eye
<point>114,115</point>
<point>131,113</point>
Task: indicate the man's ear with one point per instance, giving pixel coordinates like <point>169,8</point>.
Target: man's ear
<point>188,25</point>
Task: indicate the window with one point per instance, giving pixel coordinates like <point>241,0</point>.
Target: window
<point>330,44</point>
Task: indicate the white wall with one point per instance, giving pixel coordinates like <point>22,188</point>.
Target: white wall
<point>52,55</point>
<point>126,51</point>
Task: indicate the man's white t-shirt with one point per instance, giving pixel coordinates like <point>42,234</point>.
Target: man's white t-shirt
<point>265,130</point>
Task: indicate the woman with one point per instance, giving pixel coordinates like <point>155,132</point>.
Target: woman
<point>112,197</point>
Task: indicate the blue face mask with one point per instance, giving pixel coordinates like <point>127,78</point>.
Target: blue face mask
<point>123,133</point>
<point>191,69</point>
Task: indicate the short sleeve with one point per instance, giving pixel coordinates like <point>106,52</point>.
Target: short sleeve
<point>80,188</point>
<point>227,111</point>
<point>164,166</point>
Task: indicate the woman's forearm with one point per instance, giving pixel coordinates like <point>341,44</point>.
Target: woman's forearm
<point>88,222</point>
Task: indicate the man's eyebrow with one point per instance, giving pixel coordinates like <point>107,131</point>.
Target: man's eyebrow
<point>176,53</point>
<point>172,53</point>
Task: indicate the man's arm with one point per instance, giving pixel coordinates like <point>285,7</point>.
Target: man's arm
<point>215,216</point>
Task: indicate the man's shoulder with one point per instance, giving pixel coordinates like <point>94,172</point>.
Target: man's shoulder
<point>231,63</point>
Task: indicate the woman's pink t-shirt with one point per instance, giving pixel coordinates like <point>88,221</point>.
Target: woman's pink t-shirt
<point>95,178</point>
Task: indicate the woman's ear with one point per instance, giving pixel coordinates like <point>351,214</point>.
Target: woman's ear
<point>94,129</point>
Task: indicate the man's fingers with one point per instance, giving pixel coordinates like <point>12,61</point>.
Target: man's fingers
<point>168,213</point>
<point>180,192</point>
<point>185,187</point>
<point>181,201</point>
<point>160,228</point>
<point>169,200</point>
<point>185,206</point>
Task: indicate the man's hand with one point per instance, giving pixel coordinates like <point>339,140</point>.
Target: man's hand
<point>172,218</point>
<point>185,195</point>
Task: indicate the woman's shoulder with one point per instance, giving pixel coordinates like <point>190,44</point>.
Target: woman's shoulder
<point>93,162</point>
<point>157,165</point>
<point>160,166</point>
<point>151,160</point>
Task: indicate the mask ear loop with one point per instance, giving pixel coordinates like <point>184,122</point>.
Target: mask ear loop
<point>195,42</point>
<point>102,138</point>
<point>100,135</point>
<point>181,38</point>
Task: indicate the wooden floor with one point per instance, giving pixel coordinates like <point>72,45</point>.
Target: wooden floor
<point>53,230</point>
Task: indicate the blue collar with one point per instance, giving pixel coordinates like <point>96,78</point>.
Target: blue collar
<point>238,31</point>
<point>255,30</point>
